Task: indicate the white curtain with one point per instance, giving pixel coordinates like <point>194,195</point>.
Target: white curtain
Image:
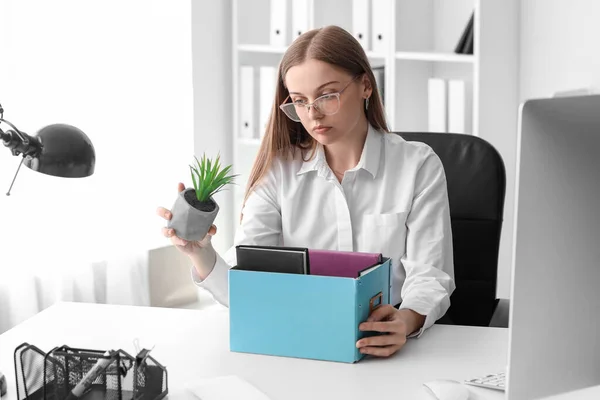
<point>121,72</point>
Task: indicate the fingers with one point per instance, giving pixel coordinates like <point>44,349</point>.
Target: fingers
<point>180,187</point>
<point>170,233</point>
<point>382,313</point>
<point>163,212</point>
<point>381,351</point>
<point>378,326</point>
<point>382,345</point>
<point>381,341</point>
<point>212,231</point>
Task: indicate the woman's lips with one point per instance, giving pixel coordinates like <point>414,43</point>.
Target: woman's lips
<point>321,129</point>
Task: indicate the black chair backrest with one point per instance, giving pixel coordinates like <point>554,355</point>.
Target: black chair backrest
<point>476,189</point>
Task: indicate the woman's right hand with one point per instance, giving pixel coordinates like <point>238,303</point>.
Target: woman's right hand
<point>187,247</point>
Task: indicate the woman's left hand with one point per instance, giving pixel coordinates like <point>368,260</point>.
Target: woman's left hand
<point>396,326</point>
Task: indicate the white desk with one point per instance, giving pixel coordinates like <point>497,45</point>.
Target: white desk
<point>193,344</point>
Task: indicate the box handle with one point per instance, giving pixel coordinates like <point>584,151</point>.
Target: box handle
<point>375,301</point>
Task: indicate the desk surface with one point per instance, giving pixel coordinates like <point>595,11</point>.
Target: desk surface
<point>194,344</point>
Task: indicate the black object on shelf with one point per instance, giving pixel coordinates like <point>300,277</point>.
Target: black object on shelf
<point>110,375</point>
<point>379,72</point>
<point>465,44</point>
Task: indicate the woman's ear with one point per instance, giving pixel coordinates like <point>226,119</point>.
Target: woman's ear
<point>367,87</point>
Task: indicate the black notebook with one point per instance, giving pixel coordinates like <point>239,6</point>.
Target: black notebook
<point>290,260</point>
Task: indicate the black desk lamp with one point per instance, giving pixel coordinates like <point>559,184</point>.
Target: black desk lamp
<point>59,150</point>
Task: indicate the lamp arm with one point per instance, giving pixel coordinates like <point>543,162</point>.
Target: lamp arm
<point>19,142</point>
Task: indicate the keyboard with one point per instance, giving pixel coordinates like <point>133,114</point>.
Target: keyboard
<point>491,381</point>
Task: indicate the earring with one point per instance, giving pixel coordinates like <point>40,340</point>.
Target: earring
<point>367,104</point>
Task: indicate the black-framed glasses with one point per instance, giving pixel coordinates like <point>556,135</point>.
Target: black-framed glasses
<point>328,104</point>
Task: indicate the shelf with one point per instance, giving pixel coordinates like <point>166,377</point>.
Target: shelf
<point>373,55</point>
<point>249,142</point>
<point>261,49</point>
<point>268,49</point>
<point>442,57</point>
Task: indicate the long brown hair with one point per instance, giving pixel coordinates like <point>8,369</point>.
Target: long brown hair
<point>330,44</point>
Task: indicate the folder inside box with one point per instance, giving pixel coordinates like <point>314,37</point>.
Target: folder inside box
<point>312,316</point>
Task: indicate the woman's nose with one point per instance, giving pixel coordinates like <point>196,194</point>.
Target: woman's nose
<point>313,113</point>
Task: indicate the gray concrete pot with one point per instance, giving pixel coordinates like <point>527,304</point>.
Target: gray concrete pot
<point>190,218</point>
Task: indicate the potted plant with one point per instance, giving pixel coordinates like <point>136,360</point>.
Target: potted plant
<point>195,209</point>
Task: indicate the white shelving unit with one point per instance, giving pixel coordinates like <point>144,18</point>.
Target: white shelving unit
<point>423,37</point>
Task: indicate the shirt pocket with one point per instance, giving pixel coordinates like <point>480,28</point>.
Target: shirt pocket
<point>385,233</point>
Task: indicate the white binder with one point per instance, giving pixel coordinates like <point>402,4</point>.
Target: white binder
<point>279,19</point>
<point>436,105</point>
<point>360,22</point>
<point>300,19</point>
<point>247,102</point>
<point>268,76</point>
<point>456,106</point>
<point>381,25</point>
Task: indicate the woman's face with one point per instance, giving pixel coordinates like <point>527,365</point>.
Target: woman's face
<point>312,79</point>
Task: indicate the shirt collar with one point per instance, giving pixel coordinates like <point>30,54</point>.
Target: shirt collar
<point>369,159</point>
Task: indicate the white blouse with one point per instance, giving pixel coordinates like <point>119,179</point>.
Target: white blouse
<point>394,202</point>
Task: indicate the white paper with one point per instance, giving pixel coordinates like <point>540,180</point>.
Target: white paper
<point>229,387</point>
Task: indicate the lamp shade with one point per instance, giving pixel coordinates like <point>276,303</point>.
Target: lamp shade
<point>66,152</point>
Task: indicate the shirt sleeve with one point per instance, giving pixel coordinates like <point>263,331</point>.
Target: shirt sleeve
<point>428,260</point>
<point>260,225</point>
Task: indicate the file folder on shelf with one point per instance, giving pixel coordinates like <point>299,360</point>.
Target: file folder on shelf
<point>268,77</point>
<point>381,25</point>
<point>278,21</point>
<point>360,22</point>
<point>456,106</point>
<point>247,101</point>
<point>300,17</point>
<point>437,98</point>
<point>305,315</point>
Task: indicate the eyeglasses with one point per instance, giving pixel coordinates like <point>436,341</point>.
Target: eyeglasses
<point>328,104</point>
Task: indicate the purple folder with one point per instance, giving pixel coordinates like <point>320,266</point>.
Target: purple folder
<point>344,264</point>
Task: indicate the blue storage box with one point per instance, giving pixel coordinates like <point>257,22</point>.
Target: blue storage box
<point>304,316</point>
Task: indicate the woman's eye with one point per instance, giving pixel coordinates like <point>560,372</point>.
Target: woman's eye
<point>299,101</point>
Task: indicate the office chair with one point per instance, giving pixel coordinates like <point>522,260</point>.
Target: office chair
<point>476,189</point>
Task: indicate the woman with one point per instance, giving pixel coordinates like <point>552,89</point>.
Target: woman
<point>328,175</point>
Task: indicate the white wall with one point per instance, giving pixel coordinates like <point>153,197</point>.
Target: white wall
<point>559,46</point>
<point>121,72</point>
<point>558,42</point>
<point>213,102</point>
<point>498,72</point>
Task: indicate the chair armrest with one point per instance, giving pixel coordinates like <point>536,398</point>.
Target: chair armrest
<point>500,317</point>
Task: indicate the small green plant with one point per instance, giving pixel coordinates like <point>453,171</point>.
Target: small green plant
<point>209,178</point>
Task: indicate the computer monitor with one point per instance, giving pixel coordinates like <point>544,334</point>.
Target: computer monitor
<point>554,336</point>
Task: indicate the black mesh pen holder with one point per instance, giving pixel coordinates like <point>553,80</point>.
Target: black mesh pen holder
<point>67,373</point>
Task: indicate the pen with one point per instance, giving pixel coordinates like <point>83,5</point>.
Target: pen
<point>90,377</point>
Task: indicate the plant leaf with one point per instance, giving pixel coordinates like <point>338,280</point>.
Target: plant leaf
<point>195,184</point>
<point>210,177</point>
